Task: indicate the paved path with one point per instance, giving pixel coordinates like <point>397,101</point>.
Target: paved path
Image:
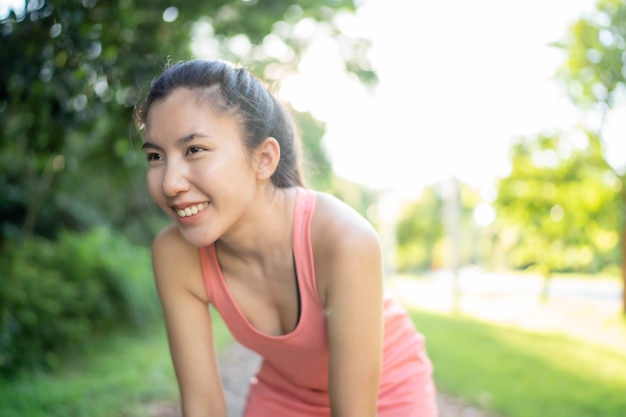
<point>584,309</point>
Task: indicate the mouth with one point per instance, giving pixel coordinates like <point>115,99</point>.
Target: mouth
<point>191,210</point>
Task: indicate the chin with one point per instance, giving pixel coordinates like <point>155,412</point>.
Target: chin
<point>197,238</point>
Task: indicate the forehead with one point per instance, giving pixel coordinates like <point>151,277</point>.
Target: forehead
<point>184,100</point>
<point>184,112</point>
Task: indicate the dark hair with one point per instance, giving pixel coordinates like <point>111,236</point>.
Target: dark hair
<point>234,91</point>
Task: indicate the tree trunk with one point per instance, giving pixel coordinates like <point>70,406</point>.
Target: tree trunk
<point>40,191</point>
<point>545,288</point>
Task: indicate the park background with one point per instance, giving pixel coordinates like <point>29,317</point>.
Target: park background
<point>484,140</point>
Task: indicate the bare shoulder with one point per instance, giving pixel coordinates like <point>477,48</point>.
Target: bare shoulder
<point>344,245</point>
<point>176,264</point>
<point>335,224</point>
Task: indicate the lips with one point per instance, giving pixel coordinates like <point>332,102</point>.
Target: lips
<point>191,210</point>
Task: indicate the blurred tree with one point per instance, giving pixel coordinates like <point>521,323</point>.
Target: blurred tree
<point>72,72</point>
<point>419,232</point>
<point>558,207</point>
<point>316,164</point>
<point>594,73</point>
<point>423,237</point>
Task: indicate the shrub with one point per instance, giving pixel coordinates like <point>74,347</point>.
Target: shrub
<point>54,295</point>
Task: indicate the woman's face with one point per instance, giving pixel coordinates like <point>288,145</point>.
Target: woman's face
<point>199,172</point>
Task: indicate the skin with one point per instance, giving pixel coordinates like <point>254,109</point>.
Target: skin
<point>196,157</point>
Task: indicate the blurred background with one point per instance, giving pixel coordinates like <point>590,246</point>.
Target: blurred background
<point>485,140</point>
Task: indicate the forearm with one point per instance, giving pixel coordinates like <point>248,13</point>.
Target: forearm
<point>192,407</point>
<point>350,403</point>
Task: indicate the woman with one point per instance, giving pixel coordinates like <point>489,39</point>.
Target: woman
<point>295,274</point>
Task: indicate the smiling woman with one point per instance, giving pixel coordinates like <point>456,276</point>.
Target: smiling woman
<point>295,274</point>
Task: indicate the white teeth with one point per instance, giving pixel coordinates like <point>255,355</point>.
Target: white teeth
<point>190,211</point>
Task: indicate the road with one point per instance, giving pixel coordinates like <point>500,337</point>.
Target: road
<point>589,309</point>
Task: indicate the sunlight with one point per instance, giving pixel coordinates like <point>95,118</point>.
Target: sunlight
<point>170,14</point>
<point>203,41</point>
<point>456,89</point>
<point>484,214</point>
<point>17,6</point>
<point>615,136</point>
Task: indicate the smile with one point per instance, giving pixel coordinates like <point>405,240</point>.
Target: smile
<point>191,210</point>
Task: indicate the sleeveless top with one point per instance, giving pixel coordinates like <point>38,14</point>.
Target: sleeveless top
<point>293,378</point>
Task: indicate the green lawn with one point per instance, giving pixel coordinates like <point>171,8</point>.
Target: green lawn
<point>114,378</point>
<point>524,374</point>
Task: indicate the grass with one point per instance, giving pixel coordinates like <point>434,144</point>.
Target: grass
<point>116,377</point>
<point>524,374</point>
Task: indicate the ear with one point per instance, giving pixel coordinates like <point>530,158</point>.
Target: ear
<point>267,157</point>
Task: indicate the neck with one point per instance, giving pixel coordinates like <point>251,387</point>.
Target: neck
<point>266,230</point>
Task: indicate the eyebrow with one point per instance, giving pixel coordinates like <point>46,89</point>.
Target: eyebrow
<point>179,142</point>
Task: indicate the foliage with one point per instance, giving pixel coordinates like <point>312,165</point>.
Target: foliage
<point>562,205</point>
<point>422,232</point>
<point>595,70</point>
<point>418,231</point>
<point>73,71</point>
<point>558,207</point>
<point>594,73</point>
<point>317,168</point>
<point>55,295</point>
<point>68,88</point>
<point>500,369</point>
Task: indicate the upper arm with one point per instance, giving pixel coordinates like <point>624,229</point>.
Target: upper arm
<point>180,287</point>
<point>351,267</point>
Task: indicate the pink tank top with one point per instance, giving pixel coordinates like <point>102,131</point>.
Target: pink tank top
<point>293,379</point>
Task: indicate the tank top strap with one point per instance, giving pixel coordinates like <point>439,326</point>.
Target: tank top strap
<point>302,247</point>
<point>209,265</point>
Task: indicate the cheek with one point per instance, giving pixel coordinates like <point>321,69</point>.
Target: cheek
<point>153,182</point>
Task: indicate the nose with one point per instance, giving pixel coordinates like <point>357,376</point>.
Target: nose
<point>174,180</point>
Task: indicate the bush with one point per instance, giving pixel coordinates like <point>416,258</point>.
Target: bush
<point>54,295</point>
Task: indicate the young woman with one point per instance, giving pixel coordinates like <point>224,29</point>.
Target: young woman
<point>295,274</point>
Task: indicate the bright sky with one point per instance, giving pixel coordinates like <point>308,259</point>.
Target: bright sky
<point>459,80</point>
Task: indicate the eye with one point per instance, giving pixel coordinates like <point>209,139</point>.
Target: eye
<point>194,149</point>
<point>153,156</point>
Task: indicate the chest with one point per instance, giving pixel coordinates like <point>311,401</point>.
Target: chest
<point>269,298</point>
<point>264,316</point>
